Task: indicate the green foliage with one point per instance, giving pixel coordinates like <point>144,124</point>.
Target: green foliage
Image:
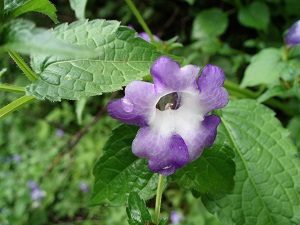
<point>118,172</point>
<point>22,36</point>
<point>15,8</point>
<point>267,169</point>
<point>265,68</point>
<point>209,23</point>
<point>294,128</point>
<point>121,58</point>
<point>256,15</point>
<point>137,211</point>
<point>212,173</point>
<point>79,7</point>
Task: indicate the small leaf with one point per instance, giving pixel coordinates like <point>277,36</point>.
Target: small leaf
<point>79,107</point>
<point>212,173</point>
<point>79,7</point>
<point>294,128</point>
<point>267,179</point>
<point>118,172</point>
<point>122,57</point>
<point>266,67</point>
<point>256,15</point>
<point>209,24</point>
<point>15,8</point>
<point>137,211</point>
<point>22,36</point>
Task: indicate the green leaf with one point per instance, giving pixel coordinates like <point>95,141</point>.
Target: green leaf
<point>276,91</point>
<point>79,108</point>
<point>137,211</point>
<point>267,179</point>
<point>122,58</point>
<point>15,8</point>
<point>294,127</point>
<point>209,23</point>
<point>256,15</point>
<point>118,172</point>
<point>79,7</point>
<point>265,68</point>
<point>212,173</point>
<point>22,36</point>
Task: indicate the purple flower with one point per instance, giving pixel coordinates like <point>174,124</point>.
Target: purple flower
<point>60,132</point>
<point>176,217</point>
<point>83,187</point>
<point>173,113</point>
<point>292,36</point>
<point>16,158</point>
<point>35,192</point>
<point>146,37</point>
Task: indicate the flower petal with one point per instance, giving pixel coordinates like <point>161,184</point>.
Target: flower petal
<point>165,154</point>
<point>210,84</point>
<point>167,74</point>
<point>292,37</point>
<point>137,105</point>
<point>203,137</point>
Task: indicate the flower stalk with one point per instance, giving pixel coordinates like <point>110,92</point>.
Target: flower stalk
<point>16,104</point>
<point>139,18</point>
<point>23,66</point>
<point>159,192</point>
<point>12,88</point>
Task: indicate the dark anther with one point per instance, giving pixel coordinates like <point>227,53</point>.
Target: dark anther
<point>169,101</point>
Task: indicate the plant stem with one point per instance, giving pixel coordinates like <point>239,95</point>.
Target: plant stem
<point>12,88</point>
<point>23,66</point>
<point>242,92</point>
<point>235,87</point>
<point>15,105</point>
<point>159,192</point>
<point>140,19</point>
<point>1,11</point>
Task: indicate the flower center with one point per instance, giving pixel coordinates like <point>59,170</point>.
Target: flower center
<point>169,101</point>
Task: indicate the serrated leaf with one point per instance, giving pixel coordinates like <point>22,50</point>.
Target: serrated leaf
<point>265,68</point>
<point>267,169</point>
<point>122,58</point>
<point>137,211</point>
<point>79,7</point>
<point>209,24</point>
<point>22,36</point>
<point>256,15</point>
<point>212,173</point>
<point>15,8</point>
<point>118,172</point>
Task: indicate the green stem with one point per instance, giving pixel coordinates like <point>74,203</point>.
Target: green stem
<point>235,87</point>
<point>1,10</point>
<point>15,105</point>
<point>159,192</point>
<point>23,66</point>
<point>140,19</point>
<point>237,91</point>
<point>12,88</point>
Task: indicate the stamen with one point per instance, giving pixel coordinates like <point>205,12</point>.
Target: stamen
<point>169,102</point>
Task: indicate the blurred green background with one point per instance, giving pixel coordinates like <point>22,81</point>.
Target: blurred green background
<point>47,150</point>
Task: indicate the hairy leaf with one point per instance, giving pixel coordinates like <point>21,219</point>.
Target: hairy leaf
<point>122,57</point>
<point>15,8</point>
<point>212,173</point>
<point>267,179</point>
<point>22,36</point>
<point>118,172</point>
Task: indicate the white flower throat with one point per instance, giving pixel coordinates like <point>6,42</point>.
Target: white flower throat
<point>177,113</point>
